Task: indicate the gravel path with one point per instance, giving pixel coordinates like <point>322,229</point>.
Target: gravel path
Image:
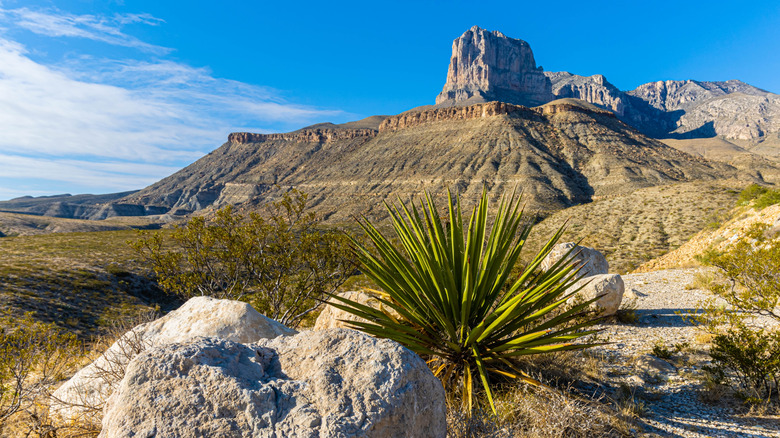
<point>671,390</point>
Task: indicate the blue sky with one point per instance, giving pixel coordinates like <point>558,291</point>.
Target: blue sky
<point>107,96</point>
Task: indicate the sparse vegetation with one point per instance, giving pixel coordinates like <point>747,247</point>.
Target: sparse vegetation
<point>281,264</point>
<point>33,357</point>
<point>447,284</point>
<point>744,351</point>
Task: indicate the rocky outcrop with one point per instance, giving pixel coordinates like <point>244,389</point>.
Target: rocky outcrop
<point>331,317</point>
<point>200,316</point>
<point>594,89</point>
<point>327,383</point>
<point>590,261</point>
<point>610,289</point>
<point>476,111</point>
<point>487,66</point>
<point>490,66</point>
<point>303,136</point>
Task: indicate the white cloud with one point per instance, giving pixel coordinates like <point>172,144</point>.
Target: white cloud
<point>111,175</point>
<point>56,23</point>
<point>119,125</point>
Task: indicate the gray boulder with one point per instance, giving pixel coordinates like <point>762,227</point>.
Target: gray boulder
<point>324,383</point>
<point>609,286</point>
<point>591,260</point>
<point>82,397</point>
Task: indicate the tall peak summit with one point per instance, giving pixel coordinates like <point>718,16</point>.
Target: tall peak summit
<point>488,65</point>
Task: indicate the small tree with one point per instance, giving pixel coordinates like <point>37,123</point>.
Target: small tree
<point>741,347</point>
<point>281,263</point>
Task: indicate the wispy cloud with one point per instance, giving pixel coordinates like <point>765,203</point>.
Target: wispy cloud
<point>56,23</point>
<point>119,124</point>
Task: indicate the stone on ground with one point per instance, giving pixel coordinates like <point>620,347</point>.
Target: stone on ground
<point>609,286</point>
<point>591,260</point>
<point>323,383</point>
<point>81,397</point>
<point>331,317</point>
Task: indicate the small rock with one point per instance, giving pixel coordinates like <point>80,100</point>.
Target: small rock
<point>610,287</point>
<point>331,317</point>
<point>649,363</point>
<point>592,262</point>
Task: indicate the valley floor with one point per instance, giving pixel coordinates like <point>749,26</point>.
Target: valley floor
<point>670,393</point>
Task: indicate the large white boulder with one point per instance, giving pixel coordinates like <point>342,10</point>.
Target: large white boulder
<point>591,260</point>
<point>331,317</point>
<point>82,397</point>
<point>609,286</point>
<point>323,383</point>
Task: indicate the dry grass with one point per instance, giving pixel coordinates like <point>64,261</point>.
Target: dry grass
<point>539,413</point>
<point>83,282</point>
<point>632,229</point>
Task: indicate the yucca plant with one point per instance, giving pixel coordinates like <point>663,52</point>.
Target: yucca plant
<point>454,305</point>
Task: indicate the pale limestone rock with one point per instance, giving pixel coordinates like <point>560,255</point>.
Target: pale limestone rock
<point>591,260</point>
<point>650,364</point>
<point>331,317</point>
<point>609,286</point>
<point>200,316</point>
<point>325,383</point>
<point>490,66</point>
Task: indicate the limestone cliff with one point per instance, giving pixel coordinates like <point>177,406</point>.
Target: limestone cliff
<point>490,66</point>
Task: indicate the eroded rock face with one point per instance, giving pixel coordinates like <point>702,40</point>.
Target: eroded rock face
<point>331,317</point>
<point>591,260</point>
<point>200,316</point>
<point>328,383</point>
<point>491,66</point>
<point>594,89</point>
<point>609,287</point>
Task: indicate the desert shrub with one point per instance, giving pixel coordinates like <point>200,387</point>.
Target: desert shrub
<point>771,197</point>
<point>33,357</point>
<point>281,264</point>
<point>753,354</point>
<point>742,349</point>
<point>447,284</point>
<point>750,193</point>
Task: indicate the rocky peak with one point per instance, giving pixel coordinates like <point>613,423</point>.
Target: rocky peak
<point>487,66</point>
<point>676,95</point>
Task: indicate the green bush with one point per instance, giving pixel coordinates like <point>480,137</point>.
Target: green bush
<point>447,284</point>
<point>771,197</point>
<point>742,350</point>
<point>281,264</point>
<point>750,193</point>
<point>753,354</point>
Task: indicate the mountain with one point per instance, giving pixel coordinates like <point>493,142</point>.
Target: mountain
<point>76,206</point>
<point>562,153</point>
<point>499,122</point>
<point>488,65</point>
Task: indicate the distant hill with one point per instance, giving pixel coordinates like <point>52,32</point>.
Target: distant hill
<point>561,154</point>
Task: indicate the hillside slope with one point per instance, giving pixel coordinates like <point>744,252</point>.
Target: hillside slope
<point>645,224</point>
<point>560,154</point>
